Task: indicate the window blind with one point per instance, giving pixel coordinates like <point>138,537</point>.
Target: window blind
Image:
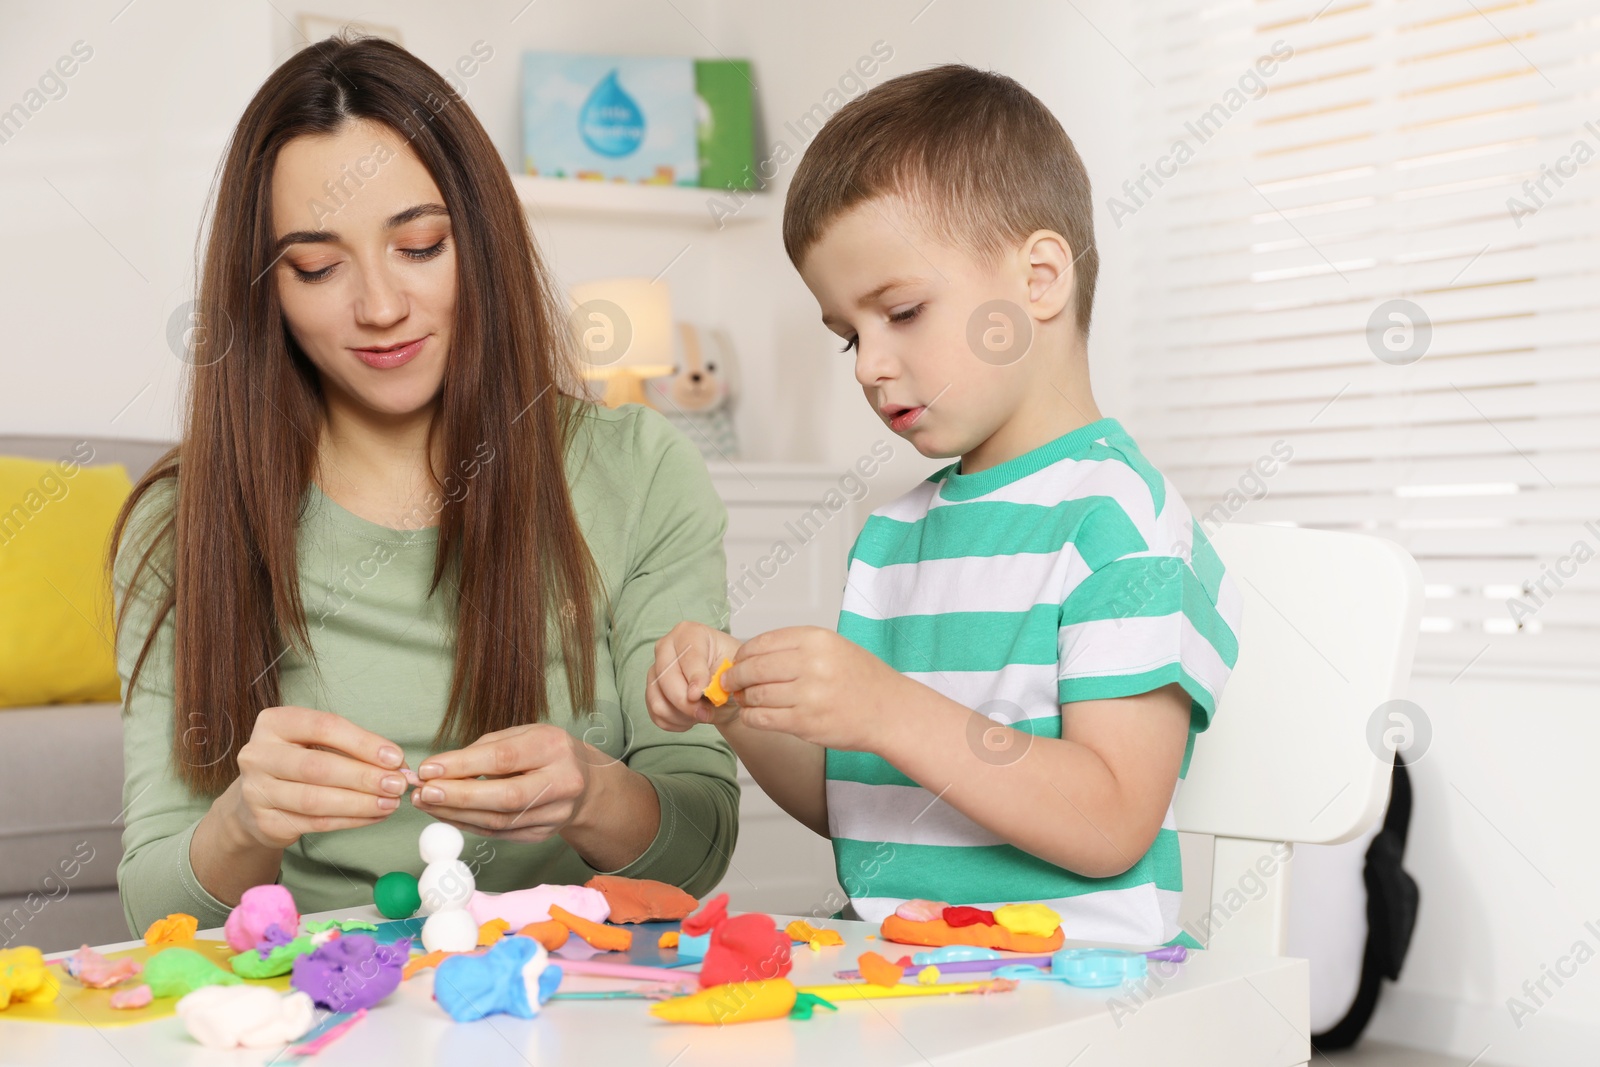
<point>1367,235</point>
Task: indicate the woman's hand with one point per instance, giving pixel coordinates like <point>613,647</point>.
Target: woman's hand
<point>308,771</point>
<point>537,778</point>
<point>675,684</point>
<point>815,685</point>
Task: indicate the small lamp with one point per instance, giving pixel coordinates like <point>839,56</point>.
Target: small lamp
<point>624,331</point>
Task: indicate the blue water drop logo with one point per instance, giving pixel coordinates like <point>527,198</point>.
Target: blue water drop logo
<point>610,122</point>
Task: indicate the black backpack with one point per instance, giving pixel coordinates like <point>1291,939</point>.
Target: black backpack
<point>1392,898</point>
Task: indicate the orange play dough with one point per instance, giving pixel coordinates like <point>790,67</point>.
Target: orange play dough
<point>800,930</point>
<point>551,934</point>
<point>879,971</point>
<point>422,963</point>
<point>938,932</point>
<point>599,935</point>
<point>714,691</point>
<point>491,932</point>
<point>642,900</point>
<point>175,928</point>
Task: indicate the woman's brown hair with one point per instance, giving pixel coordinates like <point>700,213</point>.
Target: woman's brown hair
<point>511,543</point>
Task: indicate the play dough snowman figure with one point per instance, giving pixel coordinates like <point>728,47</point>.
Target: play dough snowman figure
<point>445,887</point>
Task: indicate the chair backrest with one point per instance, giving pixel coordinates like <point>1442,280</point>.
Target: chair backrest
<point>1299,749</point>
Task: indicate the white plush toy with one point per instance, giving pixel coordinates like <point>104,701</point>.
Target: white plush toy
<point>698,396</point>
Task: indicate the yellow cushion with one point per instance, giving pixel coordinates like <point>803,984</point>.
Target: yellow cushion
<point>56,631</point>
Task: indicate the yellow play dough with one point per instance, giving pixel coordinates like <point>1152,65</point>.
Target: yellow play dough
<point>24,978</point>
<point>1035,919</point>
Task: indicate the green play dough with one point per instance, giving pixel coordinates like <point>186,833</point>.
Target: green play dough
<point>396,895</point>
<point>249,964</point>
<point>345,925</point>
<point>175,972</point>
<point>806,1003</point>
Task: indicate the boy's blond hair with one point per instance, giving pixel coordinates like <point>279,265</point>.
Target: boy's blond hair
<point>980,154</point>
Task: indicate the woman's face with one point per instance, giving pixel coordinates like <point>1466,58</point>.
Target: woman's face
<point>366,264</point>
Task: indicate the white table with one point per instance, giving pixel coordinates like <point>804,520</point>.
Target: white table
<point>1212,1010</point>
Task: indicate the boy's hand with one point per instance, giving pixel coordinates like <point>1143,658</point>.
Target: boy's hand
<point>816,685</point>
<point>675,684</point>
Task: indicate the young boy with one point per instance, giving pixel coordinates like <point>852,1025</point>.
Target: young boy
<point>1032,637</point>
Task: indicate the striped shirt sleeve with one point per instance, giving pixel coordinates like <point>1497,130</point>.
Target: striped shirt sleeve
<point>1149,618</point>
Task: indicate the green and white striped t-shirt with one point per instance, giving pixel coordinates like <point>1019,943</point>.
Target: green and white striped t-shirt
<point>1071,572</point>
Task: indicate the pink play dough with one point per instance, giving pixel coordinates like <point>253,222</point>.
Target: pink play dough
<point>921,911</point>
<point>523,906</point>
<point>259,908</point>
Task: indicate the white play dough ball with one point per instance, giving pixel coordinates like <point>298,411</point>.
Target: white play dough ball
<point>440,843</point>
<point>445,885</point>
<point>451,930</point>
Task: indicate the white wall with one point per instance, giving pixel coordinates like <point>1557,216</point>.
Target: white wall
<point>1503,846</point>
<point>102,191</point>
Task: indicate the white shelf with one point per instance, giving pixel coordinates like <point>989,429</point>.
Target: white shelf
<point>631,202</point>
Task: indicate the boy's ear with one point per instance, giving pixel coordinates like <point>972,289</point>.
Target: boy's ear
<point>1049,261</point>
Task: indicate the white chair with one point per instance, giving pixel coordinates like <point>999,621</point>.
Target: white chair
<point>1329,630</point>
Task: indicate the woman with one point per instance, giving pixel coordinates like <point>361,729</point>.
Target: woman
<point>394,537</point>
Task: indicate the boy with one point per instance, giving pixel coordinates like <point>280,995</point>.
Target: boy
<point>1032,637</point>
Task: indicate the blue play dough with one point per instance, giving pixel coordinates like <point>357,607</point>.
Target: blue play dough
<point>953,954</point>
<point>471,987</point>
<point>1090,967</point>
<point>693,948</point>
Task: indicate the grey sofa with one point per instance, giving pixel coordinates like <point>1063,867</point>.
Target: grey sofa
<point>61,784</point>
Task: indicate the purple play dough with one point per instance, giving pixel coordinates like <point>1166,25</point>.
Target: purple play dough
<point>271,938</point>
<point>351,972</point>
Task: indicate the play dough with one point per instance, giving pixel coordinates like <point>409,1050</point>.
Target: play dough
<point>714,691</point>
<point>514,977</point>
<point>921,911</point>
<point>878,970</point>
<point>271,962</point>
<point>611,938</point>
<point>975,927</point>
<point>745,948</point>
<point>138,996</point>
<point>800,930</point>
<point>641,900</point>
<point>95,971</point>
<point>551,934</point>
<point>1035,920</point>
<point>24,978</point>
<point>260,907</point>
<point>225,1017</point>
<point>396,895</point>
<point>446,882</point>
<point>523,906</point>
<point>176,972</point>
<point>174,929</point>
<point>746,1002</point>
<point>351,972</point>
<point>452,930</point>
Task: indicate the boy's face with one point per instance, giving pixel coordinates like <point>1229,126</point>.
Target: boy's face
<point>922,317</point>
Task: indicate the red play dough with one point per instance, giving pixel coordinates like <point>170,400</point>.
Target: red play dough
<point>745,948</point>
<point>702,921</point>
<point>641,900</point>
<point>938,932</point>
<point>962,915</point>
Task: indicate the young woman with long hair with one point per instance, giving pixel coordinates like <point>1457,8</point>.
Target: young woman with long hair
<point>396,549</point>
